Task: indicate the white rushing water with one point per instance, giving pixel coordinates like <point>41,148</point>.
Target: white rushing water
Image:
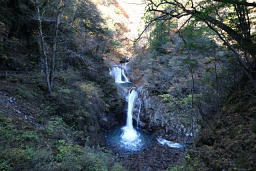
<point>169,143</point>
<point>129,133</point>
<point>130,138</point>
<point>119,74</point>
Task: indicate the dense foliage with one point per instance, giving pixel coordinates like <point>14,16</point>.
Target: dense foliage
<point>51,54</point>
<point>201,52</point>
<point>233,27</point>
<point>64,32</point>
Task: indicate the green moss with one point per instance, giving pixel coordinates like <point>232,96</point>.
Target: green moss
<point>169,99</point>
<point>68,76</point>
<point>65,149</point>
<point>16,143</point>
<point>186,122</point>
<point>117,167</point>
<point>4,57</point>
<point>25,93</point>
<point>56,127</point>
<point>18,157</point>
<point>23,147</point>
<point>96,161</point>
<point>89,88</point>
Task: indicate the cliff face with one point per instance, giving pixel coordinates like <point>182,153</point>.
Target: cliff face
<point>163,121</point>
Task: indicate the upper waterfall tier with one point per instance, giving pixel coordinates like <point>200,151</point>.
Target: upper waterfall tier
<point>119,74</point>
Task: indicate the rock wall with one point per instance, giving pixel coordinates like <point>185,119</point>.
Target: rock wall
<point>157,118</point>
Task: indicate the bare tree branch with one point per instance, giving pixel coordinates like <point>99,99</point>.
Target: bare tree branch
<point>184,23</point>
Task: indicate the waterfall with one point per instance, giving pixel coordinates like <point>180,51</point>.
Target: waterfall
<point>129,138</point>
<point>131,99</point>
<point>129,133</point>
<point>119,74</point>
<point>124,76</point>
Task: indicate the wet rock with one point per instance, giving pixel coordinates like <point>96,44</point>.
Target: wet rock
<point>124,60</point>
<point>11,99</point>
<point>104,119</point>
<point>17,111</point>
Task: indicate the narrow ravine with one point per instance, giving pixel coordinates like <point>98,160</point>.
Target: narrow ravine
<point>127,85</point>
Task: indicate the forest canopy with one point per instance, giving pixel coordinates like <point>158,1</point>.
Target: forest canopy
<point>231,20</point>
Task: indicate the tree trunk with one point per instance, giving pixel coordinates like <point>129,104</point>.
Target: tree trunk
<point>44,53</point>
<point>58,20</point>
<point>49,63</point>
<point>193,87</point>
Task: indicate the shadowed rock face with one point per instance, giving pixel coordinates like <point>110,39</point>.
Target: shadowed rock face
<point>156,117</point>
